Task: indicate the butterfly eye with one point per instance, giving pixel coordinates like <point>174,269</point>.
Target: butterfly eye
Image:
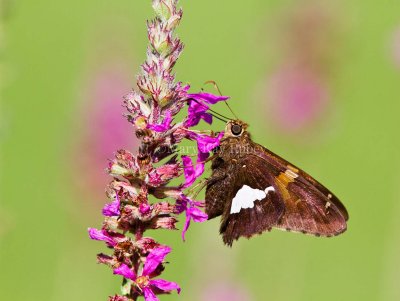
<point>236,129</point>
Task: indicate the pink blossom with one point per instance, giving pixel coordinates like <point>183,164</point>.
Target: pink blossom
<point>111,239</point>
<point>205,144</point>
<point>192,212</point>
<point>144,209</point>
<point>192,173</point>
<point>144,281</point>
<point>298,98</point>
<point>112,209</point>
<point>297,93</point>
<point>163,174</point>
<point>141,178</point>
<point>196,112</point>
<point>104,130</point>
<point>198,107</point>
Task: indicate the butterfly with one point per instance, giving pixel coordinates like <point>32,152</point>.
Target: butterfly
<point>254,190</point>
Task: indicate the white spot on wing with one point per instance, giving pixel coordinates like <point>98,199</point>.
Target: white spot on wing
<point>268,189</point>
<point>246,196</point>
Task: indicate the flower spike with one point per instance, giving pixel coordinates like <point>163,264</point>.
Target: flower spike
<point>152,111</point>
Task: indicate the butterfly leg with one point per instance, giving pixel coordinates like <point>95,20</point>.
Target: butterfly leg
<point>196,189</point>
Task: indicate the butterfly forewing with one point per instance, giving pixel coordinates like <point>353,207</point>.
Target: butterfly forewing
<point>301,178</point>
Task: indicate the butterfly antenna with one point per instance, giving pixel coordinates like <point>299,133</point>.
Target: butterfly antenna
<point>219,91</point>
<point>224,121</point>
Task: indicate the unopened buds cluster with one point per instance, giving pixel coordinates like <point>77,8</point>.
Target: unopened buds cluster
<point>139,192</point>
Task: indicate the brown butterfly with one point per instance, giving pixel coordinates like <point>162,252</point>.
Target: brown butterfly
<point>255,190</point>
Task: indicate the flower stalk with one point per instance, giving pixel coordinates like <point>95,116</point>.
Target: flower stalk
<point>140,194</point>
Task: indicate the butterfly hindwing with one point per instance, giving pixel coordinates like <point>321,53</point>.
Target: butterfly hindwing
<point>254,205</point>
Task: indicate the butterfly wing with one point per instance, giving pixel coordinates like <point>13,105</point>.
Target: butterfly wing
<point>309,206</point>
<point>244,193</point>
<point>309,211</point>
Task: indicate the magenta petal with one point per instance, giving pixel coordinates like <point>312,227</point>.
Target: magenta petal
<point>197,215</point>
<point>186,225</point>
<point>192,121</point>
<point>165,285</point>
<point>199,169</point>
<point>181,204</point>
<point>149,295</point>
<point>198,109</point>
<point>112,209</point>
<point>125,271</point>
<point>192,173</point>
<point>155,257</point>
<point>207,117</point>
<point>144,208</point>
<point>101,235</point>
<point>196,112</point>
<point>201,158</point>
<point>191,212</point>
<point>208,97</point>
<point>188,171</point>
<point>208,143</point>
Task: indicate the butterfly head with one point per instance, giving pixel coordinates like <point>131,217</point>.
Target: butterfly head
<point>235,128</point>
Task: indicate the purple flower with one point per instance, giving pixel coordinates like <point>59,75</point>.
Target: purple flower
<point>192,173</point>
<point>144,209</point>
<point>139,178</point>
<point>204,144</point>
<point>192,213</point>
<point>143,281</point>
<point>111,239</point>
<point>196,112</point>
<point>163,174</point>
<point>164,126</point>
<point>112,209</point>
<point>103,130</point>
<point>299,96</point>
<point>198,107</point>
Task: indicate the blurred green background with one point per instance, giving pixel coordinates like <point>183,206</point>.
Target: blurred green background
<point>317,80</point>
